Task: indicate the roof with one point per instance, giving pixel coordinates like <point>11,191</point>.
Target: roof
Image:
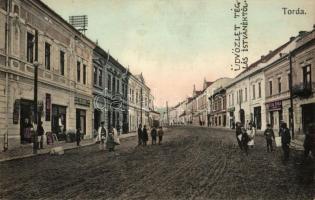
<point>208,83</point>
<point>111,58</point>
<point>266,58</point>
<point>63,20</point>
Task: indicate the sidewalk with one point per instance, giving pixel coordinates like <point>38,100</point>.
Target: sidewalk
<point>27,150</point>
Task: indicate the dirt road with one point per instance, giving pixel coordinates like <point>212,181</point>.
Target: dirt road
<point>192,163</point>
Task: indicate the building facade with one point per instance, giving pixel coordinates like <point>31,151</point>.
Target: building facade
<point>34,35</point>
<point>217,102</point>
<point>110,81</point>
<point>140,102</point>
<point>277,85</point>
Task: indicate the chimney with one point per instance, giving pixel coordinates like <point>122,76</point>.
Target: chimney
<point>292,38</point>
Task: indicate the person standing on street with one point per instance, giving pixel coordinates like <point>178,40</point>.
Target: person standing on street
<point>110,141</point>
<point>102,133</point>
<point>244,139</point>
<point>153,135</point>
<point>145,136</point>
<point>238,132</point>
<point>285,140</point>
<point>78,136</point>
<point>160,134</point>
<point>252,133</point>
<point>309,141</point>
<point>40,133</point>
<point>140,139</point>
<point>269,135</point>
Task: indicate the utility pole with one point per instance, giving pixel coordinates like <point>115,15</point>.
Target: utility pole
<point>141,99</point>
<point>291,96</point>
<point>35,93</point>
<point>167,116</point>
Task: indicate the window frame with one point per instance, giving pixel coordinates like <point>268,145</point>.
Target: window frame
<point>62,62</point>
<point>78,71</point>
<point>30,47</point>
<point>47,56</point>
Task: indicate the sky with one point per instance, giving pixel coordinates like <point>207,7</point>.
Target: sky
<point>178,43</point>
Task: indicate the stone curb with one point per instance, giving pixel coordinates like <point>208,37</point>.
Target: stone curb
<point>122,136</point>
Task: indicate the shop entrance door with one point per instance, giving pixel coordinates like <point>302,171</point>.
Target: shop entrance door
<point>308,115</point>
<point>257,117</point>
<point>97,119</point>
<point>26,113</point>
<point>58,119</point>
<point>81,120</point>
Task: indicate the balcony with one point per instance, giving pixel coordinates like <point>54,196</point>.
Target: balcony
<point>302,90</point>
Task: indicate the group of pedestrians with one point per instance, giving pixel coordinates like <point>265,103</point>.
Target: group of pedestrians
<point>245,138</point>
<point>107,139</point>
<point>143,136</point>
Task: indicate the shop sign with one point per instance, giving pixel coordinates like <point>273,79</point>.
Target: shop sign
<point>48,107</point>
<point>16,111</point>
<point>81,101</point>
<point>276,105</point>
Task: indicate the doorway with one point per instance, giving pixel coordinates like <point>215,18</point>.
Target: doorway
<point>27,112</point>
<point>81,120</point>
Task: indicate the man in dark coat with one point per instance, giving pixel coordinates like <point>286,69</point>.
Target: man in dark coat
<point>285,140</point>
<point>269,134</point>
<point>140,139</point>
<point>244,140</point>
<point>309,141</point>
<point>40,133</point>
<point>78,136</point>
<point>153,135</point>
<point>238,132</point>
<point>145,136</point>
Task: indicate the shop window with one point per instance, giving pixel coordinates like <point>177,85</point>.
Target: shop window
<point>78,71</point>
<point>84,74</point>
<point>3,4</point>
<point>62,63</point>
<point>47,56</point>
<point>30,47</point>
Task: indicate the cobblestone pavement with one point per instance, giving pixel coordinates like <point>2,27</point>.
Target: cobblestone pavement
<point>192,163</point>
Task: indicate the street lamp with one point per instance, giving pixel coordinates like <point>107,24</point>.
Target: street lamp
<point>291,113</point>
<point>291,96</point>
<point>35,93</point>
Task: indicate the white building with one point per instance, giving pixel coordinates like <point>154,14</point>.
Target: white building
<point>246,92</point>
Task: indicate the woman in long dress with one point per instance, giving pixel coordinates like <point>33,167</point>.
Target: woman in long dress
<point>251,135</point>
